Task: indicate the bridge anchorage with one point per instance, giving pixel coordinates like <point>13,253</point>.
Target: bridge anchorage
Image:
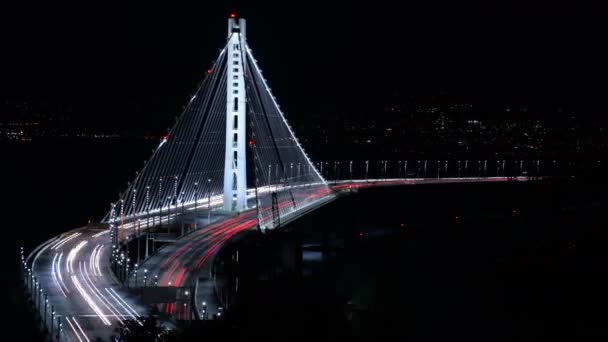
<point>231,134</point>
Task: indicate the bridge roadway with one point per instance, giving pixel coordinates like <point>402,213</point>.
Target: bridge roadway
<point>74,268</point>
<point>75,274</point>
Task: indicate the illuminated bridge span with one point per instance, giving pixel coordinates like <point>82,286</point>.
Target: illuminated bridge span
<point>232,137</point>
<point>230,163</point>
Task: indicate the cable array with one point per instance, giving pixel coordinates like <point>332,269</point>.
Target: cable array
<point>188,165</point>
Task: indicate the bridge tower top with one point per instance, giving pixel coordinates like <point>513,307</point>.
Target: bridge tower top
<point>237,25</point>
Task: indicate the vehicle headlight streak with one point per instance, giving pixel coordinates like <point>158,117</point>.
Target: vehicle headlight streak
<point>90,301</point>
<point>54,267</point>
<point>113,310</point>
<point>101,233</point>
<point>63,241</point>
<point>72,255</point>
<point>79,328</point>
<point>94,260</point>
<point>126,305</point>
<point>67,318</point>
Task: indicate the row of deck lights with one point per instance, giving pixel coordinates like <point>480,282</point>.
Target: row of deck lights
<point>34,286</point>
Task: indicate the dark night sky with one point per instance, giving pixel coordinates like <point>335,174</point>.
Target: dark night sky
<point>136,60</point>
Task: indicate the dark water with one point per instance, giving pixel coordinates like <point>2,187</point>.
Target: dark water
<point>480,261</point>
<point>55,186</point>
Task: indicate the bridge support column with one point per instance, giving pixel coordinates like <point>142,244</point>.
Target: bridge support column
<point>147,241</point>
<point>235,177</point>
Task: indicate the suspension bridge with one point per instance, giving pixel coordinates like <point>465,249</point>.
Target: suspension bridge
<point>231,163</point>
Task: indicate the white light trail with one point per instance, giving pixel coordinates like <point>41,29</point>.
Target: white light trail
<point>38,254</point>
<point>67,318</point>
<point>60,275</point>
<point>114,311</point>
<point>63,241</point>
<point>72,255</point>
<point>123,301</point>
<point>80,328</point>
<point>94,261</point>
<point>101,233</point>
<point>54,275</point>
<point>97,260</point>
<point>90,301</point>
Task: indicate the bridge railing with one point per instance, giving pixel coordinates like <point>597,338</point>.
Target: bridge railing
<point>46,319</point>
<point>449,168</point>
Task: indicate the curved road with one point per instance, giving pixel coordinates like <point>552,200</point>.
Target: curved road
<point>75,274</point>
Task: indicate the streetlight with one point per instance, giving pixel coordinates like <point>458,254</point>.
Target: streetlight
<point>366,170</point>
<point>438,168</point>
<point>136,266</point>
<point>127,272</point>
<point>269,175</point>
<point>337,176</point>
<point>385,167</point>
<point>52,319</point>
<point>59,325</point>
<point>35,291</point>
<point>156,280</point>
<point>145,276</point>
<point>46,303</point>
<point>399,169</point>
<point>195,204</point>
<point>299,166</point>
<point>209,202</point>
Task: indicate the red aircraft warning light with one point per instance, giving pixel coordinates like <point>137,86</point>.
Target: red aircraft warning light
<point>232,15</point>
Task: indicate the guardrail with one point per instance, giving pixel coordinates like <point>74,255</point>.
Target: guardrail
<point>46,319</point>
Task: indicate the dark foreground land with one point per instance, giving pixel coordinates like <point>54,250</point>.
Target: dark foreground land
<point>485,262</point>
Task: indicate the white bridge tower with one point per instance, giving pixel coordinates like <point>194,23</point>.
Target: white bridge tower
<point>235,176</point>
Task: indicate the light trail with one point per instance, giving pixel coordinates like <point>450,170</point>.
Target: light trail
<point>38,254</point>
<point>114,311</point>
<point>72,255</point>
<point>65,240</point>
<point>101,233</point>
<point>90,301</point>
<point>80,328</point>
<point>94,260</point>
<point>116,298</point>
<point>54,275</point>
<point>60,275</point>
<point>97,260</point>
<point>67,318</point>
